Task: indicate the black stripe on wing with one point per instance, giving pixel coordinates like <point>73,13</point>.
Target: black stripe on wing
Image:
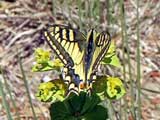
<point>67,43</point>
<point>102,42</point>
<point>58,49</point>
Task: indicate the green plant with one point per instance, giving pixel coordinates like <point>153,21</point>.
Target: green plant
<point>82,106</point>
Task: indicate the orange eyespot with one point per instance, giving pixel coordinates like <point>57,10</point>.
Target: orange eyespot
<point>82,85</point>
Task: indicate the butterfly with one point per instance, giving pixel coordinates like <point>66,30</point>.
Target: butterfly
<point>81,54</point>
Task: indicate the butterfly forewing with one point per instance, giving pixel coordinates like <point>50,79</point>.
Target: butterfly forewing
<point>67,43</point>
<point>102,43</point>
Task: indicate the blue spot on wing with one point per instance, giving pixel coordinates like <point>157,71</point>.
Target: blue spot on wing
<point>75,77</point>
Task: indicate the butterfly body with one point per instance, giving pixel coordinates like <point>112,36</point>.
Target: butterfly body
<point>80,54</point>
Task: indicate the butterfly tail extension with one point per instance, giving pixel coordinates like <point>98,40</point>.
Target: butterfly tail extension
<point>90,83</point>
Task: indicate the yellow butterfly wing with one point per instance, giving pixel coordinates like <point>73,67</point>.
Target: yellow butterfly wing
<point>98,45</point>
<point>69,45</point>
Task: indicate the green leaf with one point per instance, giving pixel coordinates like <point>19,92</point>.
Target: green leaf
<point>41,67</point>
<point>98,113</point>
<point>115,88</point>
<point>110,87</point>
<point>42,55</point>
<point>59,111</point>
<point>111,57</point>
<point>82,103</point>
<point>112,60</point>
<point>51,91</point>
<point>76,102</point>
<point>100,86</point>
<point>90,103</point>
<point>80,107</point>
<point>43,61</point>
<point>112,48</point>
